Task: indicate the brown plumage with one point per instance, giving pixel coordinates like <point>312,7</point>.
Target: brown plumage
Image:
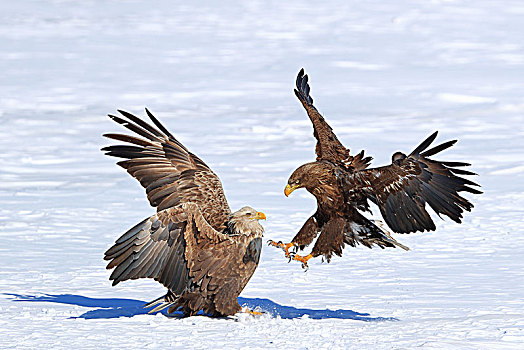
<point>194,245</point>
<point>342,185</point>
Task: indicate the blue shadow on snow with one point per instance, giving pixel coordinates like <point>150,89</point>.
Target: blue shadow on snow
<point>116,307</point>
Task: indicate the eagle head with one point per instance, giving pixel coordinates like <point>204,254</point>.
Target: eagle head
<point>301,177</point>
<point>245,222</point>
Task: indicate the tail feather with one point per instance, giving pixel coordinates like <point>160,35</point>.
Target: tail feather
<point>169,300</point>
<point>387,235</point>
<point>370,233</point>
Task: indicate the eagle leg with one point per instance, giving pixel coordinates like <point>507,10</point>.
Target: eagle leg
<point>302,259</point>
<point>284,246</point>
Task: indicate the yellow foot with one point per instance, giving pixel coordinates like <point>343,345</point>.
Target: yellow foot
<point>251,312</point>
<point>284,246</point>
<point>302,259</point>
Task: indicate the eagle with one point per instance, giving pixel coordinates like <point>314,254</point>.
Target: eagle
<point>203,253</point>
<point>343,186</point>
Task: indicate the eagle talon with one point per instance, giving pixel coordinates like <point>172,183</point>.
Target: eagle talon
<point>284,246</point>
<point>303,260</point>
<point>271,242</point>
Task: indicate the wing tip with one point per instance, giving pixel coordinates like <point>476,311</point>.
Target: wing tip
<point>424,144</point>
<point>302,88</point>
<point>158,124</point>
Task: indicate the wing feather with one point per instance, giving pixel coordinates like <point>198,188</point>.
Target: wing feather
<point>170,173</point>
<point>130,139</point>
<point>424,144</point>
<point>134,128</point>
<point>402,189</point>
<point>328,146</point>
<point>175,246</point>
<point>439,148</point>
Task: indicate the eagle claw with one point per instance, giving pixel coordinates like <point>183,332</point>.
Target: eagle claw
<point>303,260</point>
<point>284,246</point>
<point>252,312</point>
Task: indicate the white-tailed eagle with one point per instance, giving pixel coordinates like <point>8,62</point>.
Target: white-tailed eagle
<point>203,253</point>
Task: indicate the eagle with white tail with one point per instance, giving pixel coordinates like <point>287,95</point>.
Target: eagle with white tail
<point>203,253</point>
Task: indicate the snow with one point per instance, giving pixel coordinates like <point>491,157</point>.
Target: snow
<point>220,77</point>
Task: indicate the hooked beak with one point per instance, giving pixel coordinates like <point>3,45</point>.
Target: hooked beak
<point>289,189</point>
<point>260,216</point>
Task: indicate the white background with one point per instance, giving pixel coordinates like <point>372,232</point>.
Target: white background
<point>220,76</point>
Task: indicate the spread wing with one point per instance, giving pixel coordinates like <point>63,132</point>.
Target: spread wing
<point>176,247</point>
<point>328,146</point>
<point>170,173</point>
<point>402,189</point>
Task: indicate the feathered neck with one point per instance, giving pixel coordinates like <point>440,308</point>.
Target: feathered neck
<point>243,226</point>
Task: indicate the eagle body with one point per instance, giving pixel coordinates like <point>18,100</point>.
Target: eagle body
<point>203,253</point>
<point>343,186</point>
<point>337,219</point>
<point>320,179</point>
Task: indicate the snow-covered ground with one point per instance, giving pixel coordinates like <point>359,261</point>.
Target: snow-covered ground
<point>220,76</point>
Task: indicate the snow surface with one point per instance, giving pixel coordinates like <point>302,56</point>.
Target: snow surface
<point>220,76</point>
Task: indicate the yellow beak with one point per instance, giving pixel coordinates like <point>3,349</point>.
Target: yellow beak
<point>289,189</point>
<point>260,216</point>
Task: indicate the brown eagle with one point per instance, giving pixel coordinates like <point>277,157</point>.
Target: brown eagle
<point>342,186</point>
<point>194,245</point>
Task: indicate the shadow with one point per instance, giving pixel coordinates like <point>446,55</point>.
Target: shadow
<point>107,308</point>
<point>115,307</point>
<point>290,312</point>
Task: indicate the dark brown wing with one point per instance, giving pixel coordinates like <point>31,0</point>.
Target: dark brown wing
<point>170,173</point>
<point>328,146</point>
<point>402,189</point>
<point>177,248</point>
